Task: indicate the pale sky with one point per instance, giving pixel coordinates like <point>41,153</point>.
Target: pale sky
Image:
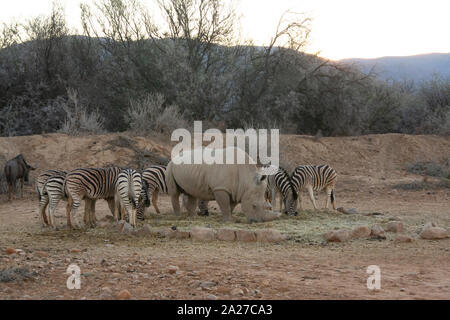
<point>340,28</point>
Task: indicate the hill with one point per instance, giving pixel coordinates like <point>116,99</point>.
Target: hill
<point>417,67</point>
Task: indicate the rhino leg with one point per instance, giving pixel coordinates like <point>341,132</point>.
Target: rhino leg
<point>223,199</point>
<point>191,204</point>
<point>155,201</point>
<point>175,203</point>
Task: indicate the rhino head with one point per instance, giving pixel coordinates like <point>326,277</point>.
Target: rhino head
<point>253,202</point>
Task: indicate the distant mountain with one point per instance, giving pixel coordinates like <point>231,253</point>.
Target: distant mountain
<point>417,68</point>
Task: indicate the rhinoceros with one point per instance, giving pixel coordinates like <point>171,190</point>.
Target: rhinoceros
<point>228,184</point>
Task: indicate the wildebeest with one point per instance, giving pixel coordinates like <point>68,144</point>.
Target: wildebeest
<point>16,168</point>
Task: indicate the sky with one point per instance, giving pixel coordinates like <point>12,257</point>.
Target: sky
<point>340,28</point>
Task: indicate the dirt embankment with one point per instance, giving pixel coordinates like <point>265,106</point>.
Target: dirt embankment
<point>368,157</point>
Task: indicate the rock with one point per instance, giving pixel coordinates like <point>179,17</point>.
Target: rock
<point>116,226</point>
<point>178,234</point>
<point>224,290</point>
<point>107,290</point>
<point>377,232</point>
<point>103,224</point>
<point>104,296</point>
<point>164,232</point>
<point>237,292</point>
<point>75,251</point>
<point>394,226</point>
<point>10,251</point>
<point>127,228</point>
<point>431,232</point>
<point>124,295</point>
<point>269,235</point>
<point>245,236</point>
<point>194,284</point>
<point>172,269</point>
<point>211,297</point>
<point>115,275</point>
<point>107,218</point>
<point>202,234</point>
<point>226,235</point>
<point>347,211</point>
<point>144,231</point>
<point>40,254</point>
<point>428,225</point>
<point>403,239</point>
<point>338,236</point>
<point>360,232</point>
<point>208,284</point>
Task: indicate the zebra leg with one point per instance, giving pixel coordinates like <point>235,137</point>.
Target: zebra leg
<point>281,201</point>
<point>43,203</point>
<point>333,199</point>
<point>274,198</point>
<point>93,220</point>
<point>116,207</point>
<point>51,214</point>
<point>155,200</point>
<point>72,206</point>
<point>327,201</point>
<point>311,196</point>
<point>111,205</point>
<point>87,208</point>
<point>68,211</point>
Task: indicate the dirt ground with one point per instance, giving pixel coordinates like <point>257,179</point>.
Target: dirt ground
<point>303,267</point>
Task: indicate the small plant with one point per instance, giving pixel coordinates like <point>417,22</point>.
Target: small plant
<point>430,169</point>
<point>78,119</point>
<point>151,115</point>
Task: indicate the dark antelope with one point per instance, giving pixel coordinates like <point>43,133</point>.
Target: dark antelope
<point>16,168</point>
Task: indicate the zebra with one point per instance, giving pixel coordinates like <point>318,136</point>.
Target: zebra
<point>315,178</point>
<point>280,183</point>
<point>155,179</point>
<point>128,192</point>
<point>53,191</point>
<point>90,184</point>
<point>39,184</point>
<point>154,182</point>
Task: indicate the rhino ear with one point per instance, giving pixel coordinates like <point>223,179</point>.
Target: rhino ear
<point>259,178</point>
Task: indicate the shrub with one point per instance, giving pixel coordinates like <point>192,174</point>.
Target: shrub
<point>150,115</point>
<point>78,120</point>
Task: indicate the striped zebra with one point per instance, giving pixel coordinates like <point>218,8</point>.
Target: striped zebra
<point>128,192</point>
<point>53,191</point>
<point>39,184</point>
<point>280,183</point>
<point>155,179</point>
<point>90,184</point>
<point>315,178</point>
<point>154,182</point>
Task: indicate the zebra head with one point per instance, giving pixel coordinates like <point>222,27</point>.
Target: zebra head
<point>144,201</point>
<point>290,199</point>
